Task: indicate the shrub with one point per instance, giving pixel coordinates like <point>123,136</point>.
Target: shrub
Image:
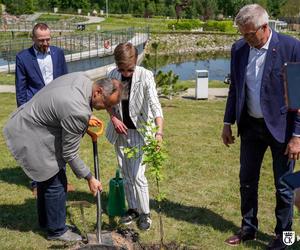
<point>185,24</point>
<point>223,26</point>
<point>166,83</point>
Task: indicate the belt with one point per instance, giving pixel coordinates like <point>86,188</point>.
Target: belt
<point>257,120</point>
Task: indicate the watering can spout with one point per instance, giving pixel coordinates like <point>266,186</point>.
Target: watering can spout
<point>116,197</point>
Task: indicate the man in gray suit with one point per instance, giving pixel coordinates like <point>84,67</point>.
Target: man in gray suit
<point>44,134</point>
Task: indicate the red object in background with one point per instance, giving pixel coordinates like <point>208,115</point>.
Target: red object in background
<point>106,44</point>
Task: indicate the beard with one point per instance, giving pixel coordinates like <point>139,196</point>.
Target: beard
<point>43,48</point>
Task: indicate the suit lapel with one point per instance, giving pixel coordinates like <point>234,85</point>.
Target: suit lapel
<point>36,65</point>
<point>243,62</point>
<point>135,81</point>
<point>270,57</point>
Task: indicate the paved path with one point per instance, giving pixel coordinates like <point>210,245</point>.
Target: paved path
<point>7,89</point>
<point>32,17</point>
<point>91,19</point>
<point>213,93</point>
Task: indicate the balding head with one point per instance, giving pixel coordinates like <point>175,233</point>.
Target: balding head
<point>106,93</point>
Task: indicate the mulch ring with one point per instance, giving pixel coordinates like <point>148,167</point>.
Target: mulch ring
<point>128,239</point>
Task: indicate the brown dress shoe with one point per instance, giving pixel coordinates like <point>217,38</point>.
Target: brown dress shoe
<point>238,238</point>
<point>70,188</point>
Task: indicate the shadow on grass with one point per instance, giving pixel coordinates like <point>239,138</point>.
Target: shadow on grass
<point>205,216</point>
<point>14,175</point>
<point>23,217</point>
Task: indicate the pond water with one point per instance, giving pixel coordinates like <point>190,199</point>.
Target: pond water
<point>217,68</point>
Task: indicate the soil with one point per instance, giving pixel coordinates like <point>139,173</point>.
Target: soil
<point>167,246</point>
<point>128,239</point>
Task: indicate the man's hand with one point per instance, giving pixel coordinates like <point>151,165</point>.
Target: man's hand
<point>94,121</point>
<point>94,185</point>
<point>227,135</point>
<point>119,125</point>
<point>293,148</point>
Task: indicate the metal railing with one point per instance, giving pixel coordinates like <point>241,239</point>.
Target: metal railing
<point>77,47</point>
<point>28,25</point>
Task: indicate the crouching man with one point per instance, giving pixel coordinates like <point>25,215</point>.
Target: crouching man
<point>44,134</point>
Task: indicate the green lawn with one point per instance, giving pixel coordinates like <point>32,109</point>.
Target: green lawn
<point>49,17</point>
<point>113,23</point>
<point>7,79</point>
<point>201,185</point>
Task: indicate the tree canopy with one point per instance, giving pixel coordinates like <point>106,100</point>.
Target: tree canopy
<point>205,9</point>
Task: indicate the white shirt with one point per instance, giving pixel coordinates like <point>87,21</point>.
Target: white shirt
<point>254,72</point>
<point>45,64</point>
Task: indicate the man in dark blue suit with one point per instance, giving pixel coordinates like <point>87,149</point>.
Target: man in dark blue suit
<point>38,66</point>
<point>256,103</point>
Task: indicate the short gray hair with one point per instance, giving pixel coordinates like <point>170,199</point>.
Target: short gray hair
<point>252,14</point>
<point>107,85</point>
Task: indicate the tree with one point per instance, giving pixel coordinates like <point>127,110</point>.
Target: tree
<point>18,7</point>
<point>231,7</point>
<point>54,3</point>
<point>81,4</point>
<point>274,7</point>
<point>29,6</point>
<point>44,5</point>
<point>263,3</point>
<point>154,157</point>
<point>290,9</point>
<point>149,9</point>
<point>181,6</point>
<point>209,9</point>
<point>166,83</point>
<point>190,10</point>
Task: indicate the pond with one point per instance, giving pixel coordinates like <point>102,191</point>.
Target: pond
<point>217,68</point>
<point>218,65</point>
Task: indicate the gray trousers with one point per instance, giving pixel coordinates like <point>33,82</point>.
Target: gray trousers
<point>133,171</point>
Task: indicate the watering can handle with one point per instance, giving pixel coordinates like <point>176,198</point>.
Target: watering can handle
<point>95,134</point>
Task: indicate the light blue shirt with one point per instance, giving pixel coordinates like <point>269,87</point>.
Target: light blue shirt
<point>254,72</point>
<point>45,64</point>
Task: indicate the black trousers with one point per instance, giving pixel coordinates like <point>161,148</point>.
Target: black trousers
<point>51,204</point>
<point>255,139</point>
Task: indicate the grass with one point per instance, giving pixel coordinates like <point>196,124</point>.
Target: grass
<point>49,17</point>
<point>7,79</point>
<point>201,185</point>
<point>113,23</point>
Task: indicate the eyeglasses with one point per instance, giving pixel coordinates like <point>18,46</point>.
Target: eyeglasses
<point>251,33</point>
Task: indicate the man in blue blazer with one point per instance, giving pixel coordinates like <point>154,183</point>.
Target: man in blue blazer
<point>37,66</point>
<point>256,103</point>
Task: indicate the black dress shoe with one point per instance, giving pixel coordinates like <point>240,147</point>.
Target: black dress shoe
<point>240,237</point>
<point>277,243</point>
